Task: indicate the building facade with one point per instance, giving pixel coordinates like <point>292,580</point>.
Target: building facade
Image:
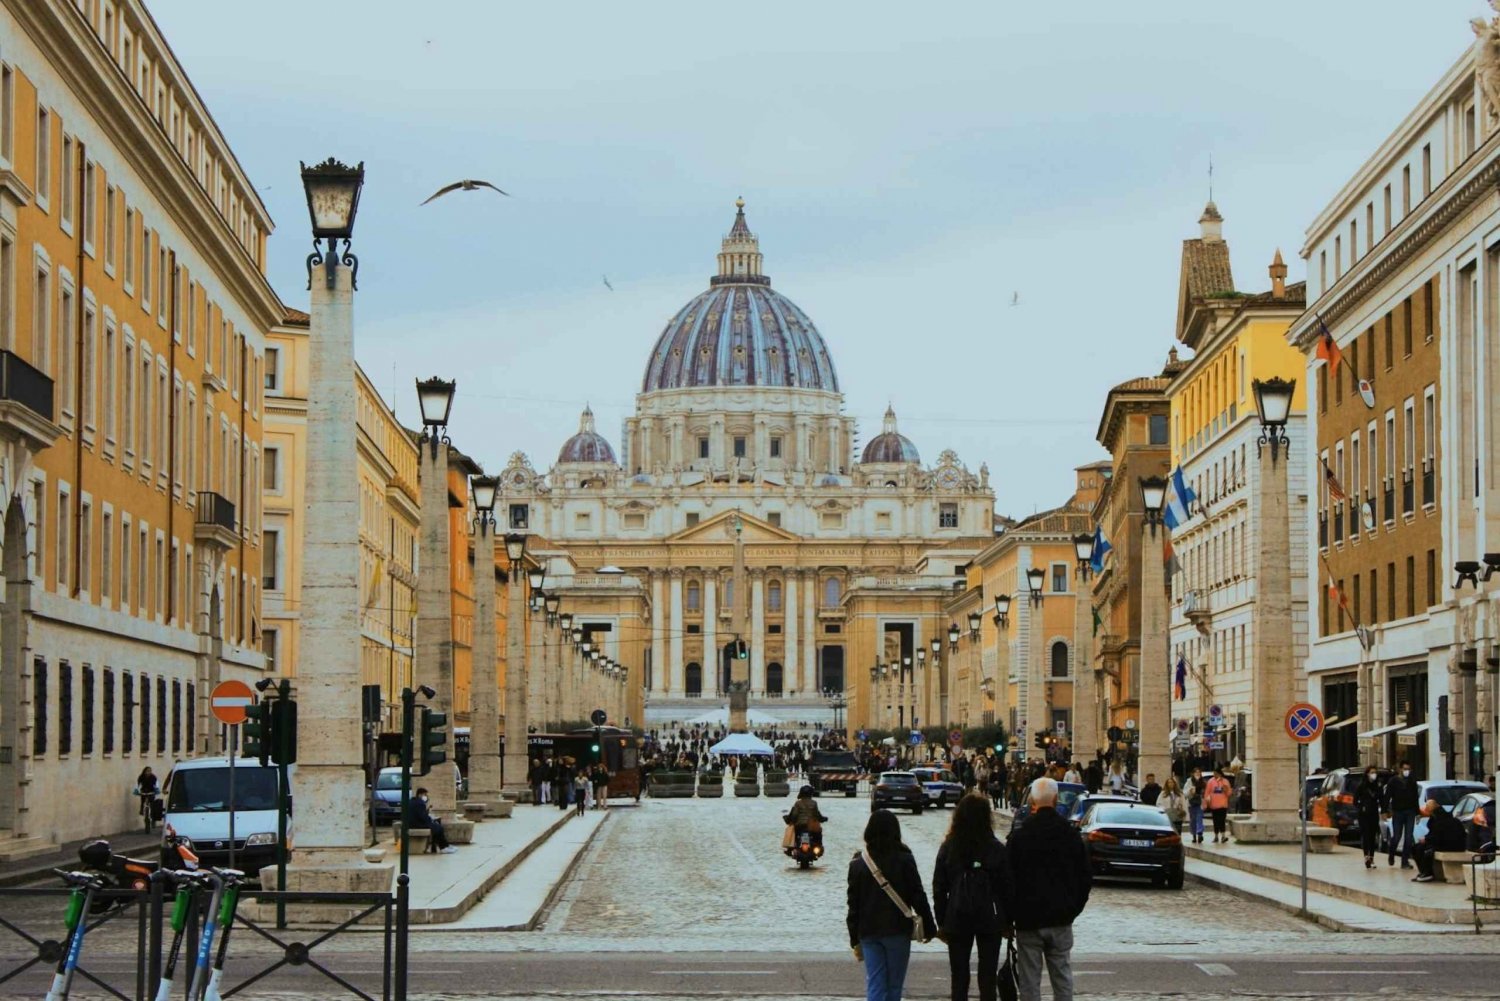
<point>1402,266</point>
<point>739,442</point>
<point>1236,339</point>
<point>133,311</point>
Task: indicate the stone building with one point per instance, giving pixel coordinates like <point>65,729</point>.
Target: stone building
<point>740,439</point>
<point>133,311</point>
<point>1235,339</point>
<point>1402,263</point>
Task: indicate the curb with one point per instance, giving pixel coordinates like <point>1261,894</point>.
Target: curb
<point>1332,924</point>
<point>444,915</point>
<point>545,910</point>
<point>42,866</point>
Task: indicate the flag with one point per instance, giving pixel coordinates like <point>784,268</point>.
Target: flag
<point>376,572</point>
<point>1097,622</point>
<point>1180,499</point>
<point>1335,488</point>
<point>1173,566</point>
<point>1328,348</point>
<point>1101,550</point>
<point>1181,676</point>
<point>1338,596</point>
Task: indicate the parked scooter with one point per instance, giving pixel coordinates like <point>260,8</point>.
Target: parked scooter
<point>121,872</point>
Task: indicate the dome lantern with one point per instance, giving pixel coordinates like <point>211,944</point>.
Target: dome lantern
<point>890,445</point>
<point>588,445</point>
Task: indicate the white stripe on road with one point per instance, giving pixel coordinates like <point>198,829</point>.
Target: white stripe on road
<point>714,973</point>
<point>1215,969</point>
<point>1363,973</point>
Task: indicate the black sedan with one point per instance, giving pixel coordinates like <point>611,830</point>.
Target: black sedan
<point>897,790</point>
<point>1133,839</point>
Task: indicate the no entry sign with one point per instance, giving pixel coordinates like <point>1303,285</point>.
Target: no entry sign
<point>229,701</point>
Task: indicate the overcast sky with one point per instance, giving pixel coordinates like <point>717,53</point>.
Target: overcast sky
<point>908,167</point>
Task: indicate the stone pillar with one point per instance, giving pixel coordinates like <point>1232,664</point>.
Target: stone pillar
<point>1000,684</point>
<point>1085,735</point>
<point>484,688</point>
<point>435,603</point>
<point>758,631</point>
<point>330,744</point>
<point>789,634</point>
<point>674,629</point>
<point>711,662</point>
<point>1034,702</point>
<point>210,648</point>
<point>1154,750</point>
<point>517,752</point>
<point>1274,685</point>
<point>810,632</point>
<point>657,682</point>
<point>15,670</point>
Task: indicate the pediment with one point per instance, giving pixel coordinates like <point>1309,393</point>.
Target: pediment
<point>720,529</point>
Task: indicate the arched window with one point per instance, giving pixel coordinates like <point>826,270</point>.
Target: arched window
<point>831,592</point>
<point>729,593</point>
<point>773,596</point>
<point>773,679</point>
<point>694,679</point>
<point>694,596</point>
<point>1059,659</point>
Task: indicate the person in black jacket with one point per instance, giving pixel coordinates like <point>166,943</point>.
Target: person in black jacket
<point>880,932</point>
<point>419,818</point>
<point>1367,806</point>
<point>1401,805</point>
<point>1444,834</point>
<point>971,860</point>
<point>1052,881</point>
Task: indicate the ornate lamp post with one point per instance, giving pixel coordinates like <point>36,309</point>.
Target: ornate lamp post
<point>1001,682</point>
<point>1153,755</point>
<point>484,723</point>
<point>1086,695</point>
<point>517,720</point>
<point>434,662</point>
<point>1030,692</point>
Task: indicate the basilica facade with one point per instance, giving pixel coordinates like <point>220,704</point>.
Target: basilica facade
<point>736,510</point>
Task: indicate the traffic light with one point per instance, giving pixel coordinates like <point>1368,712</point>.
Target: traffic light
<point>433,740</point>
<point>1041,738</point>
<point>741,650</point>
<point>1476,752</point>
<point>283,739</point>
<point>258,732</point>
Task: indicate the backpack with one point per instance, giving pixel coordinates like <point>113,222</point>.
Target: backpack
<point>971,904</point>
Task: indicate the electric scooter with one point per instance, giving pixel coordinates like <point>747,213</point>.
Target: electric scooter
<point>233,879</point>
<point>85,885</point>
<point>187,884</point>
<point>222,902</point>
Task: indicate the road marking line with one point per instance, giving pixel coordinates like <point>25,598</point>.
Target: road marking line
<point>1215,969</point>
<point>713,973</point>
<point>1363,973</point>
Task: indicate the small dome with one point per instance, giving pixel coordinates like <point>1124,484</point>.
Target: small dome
<point>588,445</point>
<point>890,445</point>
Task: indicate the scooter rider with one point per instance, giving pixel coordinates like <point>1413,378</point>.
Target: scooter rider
<point>805,815</point>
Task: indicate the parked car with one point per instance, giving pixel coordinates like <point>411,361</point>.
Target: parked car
<point>385,798</point>
<point>941,785</point>
<point>1333,806</point>
<point>1082,803</point>
<point>1133,839</point>
<point>1067,795</point>
<point>895,790</point>
<point>1447,792</point>
<point>1476,812</point>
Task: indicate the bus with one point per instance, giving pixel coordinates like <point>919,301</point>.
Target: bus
<point>620,750</point>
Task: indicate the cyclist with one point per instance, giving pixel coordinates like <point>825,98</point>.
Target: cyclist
<point>147,787</point>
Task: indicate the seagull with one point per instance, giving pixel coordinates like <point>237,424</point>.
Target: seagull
<point>465,185</point>
<point>1015,298</point>
<point>606,283</point>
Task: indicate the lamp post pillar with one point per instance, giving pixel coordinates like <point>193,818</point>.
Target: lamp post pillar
<point>435,600</point>
<point>1000,685</point>
<point>1153,750</point>
<point>1085,736</point>
<point>516,761</point>
<point>484,724</point>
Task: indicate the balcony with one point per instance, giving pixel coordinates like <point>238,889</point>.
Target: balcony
<point>1195,606</point>
<point>214,524</point>
<point>26,402</point>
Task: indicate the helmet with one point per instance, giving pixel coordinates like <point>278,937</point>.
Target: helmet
<point>805,792</point>
<point>95,854</point>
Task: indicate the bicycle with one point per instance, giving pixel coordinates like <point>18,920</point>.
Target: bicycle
<point>148,810</point>
<point>80,900</point>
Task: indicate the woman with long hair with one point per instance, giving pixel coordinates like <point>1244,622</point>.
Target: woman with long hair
<point>972,895</point>
<point>885,899</point>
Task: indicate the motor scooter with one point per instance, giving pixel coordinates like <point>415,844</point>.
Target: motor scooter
<point>121,872</point>
<point>806,847</point>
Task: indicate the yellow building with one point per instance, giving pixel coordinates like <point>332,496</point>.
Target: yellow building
<point>389,514</point>
<point>133,307</point>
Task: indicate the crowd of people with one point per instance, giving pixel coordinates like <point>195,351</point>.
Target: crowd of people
<point>565,782</point>
<point>686,749</point>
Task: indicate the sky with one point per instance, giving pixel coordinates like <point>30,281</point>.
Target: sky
<point>909,169</point>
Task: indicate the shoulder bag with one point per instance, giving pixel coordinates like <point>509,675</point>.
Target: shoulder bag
<point>890,891</point>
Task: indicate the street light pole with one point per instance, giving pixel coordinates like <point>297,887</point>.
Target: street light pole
<point>1001,681</point>
<point>1153,747</point>
<point>1085,735</point>
<point>434,663</point>
<point>516,761</point>
<point>484,719</point>
<point>1031,695</point>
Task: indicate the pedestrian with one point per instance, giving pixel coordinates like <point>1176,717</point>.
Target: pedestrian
<point>534,778</point>
<point>1052,880</point>
<point>888,908</point>
<point>1216,798</point>
<point>1150,791</point>
<point>419,817</point>
<point>1074,774</point>
<point>601,786</point>
<point>1173,803</point>
<point>1444,834</point>
<point>147,788</point>
<point>1400,803</point>
<point>1093,777</point>
<point>564,785</point>
<point>1117,779</point>
<point>1194,794</point>
<point>581,791</point>
<point>1367,807</point>
<point>972,896</point>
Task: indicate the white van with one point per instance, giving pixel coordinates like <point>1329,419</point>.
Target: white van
<point>197,808</point>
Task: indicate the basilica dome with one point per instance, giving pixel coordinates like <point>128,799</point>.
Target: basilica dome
<point>890,445</point>
<point>588,445</point>
<point>740,332</point>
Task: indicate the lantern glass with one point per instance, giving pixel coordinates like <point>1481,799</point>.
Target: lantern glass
<point>921,656</point>
<point>1273,400</point>
<point>515,547</point>
<point>1002,604</point>
<point>1083,547</point>
<point>566,621</point>
<point>953,633</point>
<point>536,578</point>
<point>553,602</point>
<point>485,488</point>
<point>937,644</point>
<point>332,191</point>
<point>974,620</point>
<point>588,647</point>
<point>576,634</point>
<point>1035,577</point>
<point>1153,494</point>
<point>435,398</point>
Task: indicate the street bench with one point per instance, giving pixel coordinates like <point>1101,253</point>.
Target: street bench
<point>419,838</point>
<point>1322,840</point>
<point>475,811</point>
<point>1451,866</point>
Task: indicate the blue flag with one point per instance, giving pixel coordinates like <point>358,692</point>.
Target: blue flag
<point>1181,676</point>
<point>1101,550</point>
<point>1180,500</point>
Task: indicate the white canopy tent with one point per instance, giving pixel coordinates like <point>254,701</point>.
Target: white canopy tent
<point>744,745</point>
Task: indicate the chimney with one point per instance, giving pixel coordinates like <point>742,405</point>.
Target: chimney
<point>1278,276</point>
<point>1211,224</point>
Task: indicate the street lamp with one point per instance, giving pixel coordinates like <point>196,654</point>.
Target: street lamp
<point>576,635</point>
<point>552,602</point>
<point>484,489</point>
<point>565,623</point>
<point>1153,498</point>
<point>536,578</point>
<point>515,548</point>
<point>1035,578</point>
<point>1002,610</point>
<point>974,620</point>
<point>937,643</point>
<point>435,398</point>
<point>1273,400</point>
<point>1083,552</point>
<point>332,190</point>
<point>953,635</point>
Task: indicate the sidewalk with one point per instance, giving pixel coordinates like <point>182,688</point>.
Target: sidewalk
<point>134,843</point>
<point>1342,893</point>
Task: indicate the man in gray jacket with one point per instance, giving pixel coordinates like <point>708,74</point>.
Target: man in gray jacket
<point>1052,883</point>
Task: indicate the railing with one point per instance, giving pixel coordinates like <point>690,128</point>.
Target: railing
<point>215,509</point>
<point>23,384</point>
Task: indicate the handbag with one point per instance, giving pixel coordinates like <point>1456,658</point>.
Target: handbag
<point>890,891</point>
<point>790,837</point>
<point>1009,986</point>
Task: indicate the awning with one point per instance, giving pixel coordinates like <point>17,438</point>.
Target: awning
<point>1412,731</point>
<point>1381,731</point>
<point>1341,723</point>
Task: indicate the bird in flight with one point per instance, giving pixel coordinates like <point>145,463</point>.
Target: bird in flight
<point>465,185</point>
<point>1015,298</point>
<point>606,283</point>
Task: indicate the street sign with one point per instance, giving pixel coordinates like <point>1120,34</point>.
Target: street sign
<point>955,737</point>
<point>1130,724</point>
<point>1304,722</point>
<point>1114,733</point>
<point>1182,726</point>
<point>1216,745</point>
<point>864,735</point>
<point>598,717</point>
<point>1216,710</point>
<point>229,701</point>
<point>916,738</point>
<point>1061,726</point>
